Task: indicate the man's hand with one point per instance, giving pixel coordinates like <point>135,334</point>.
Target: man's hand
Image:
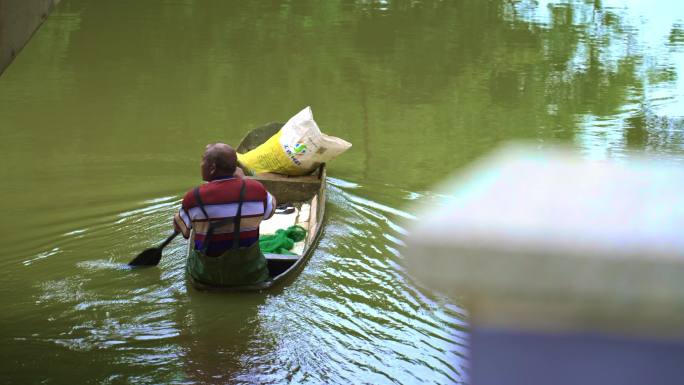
<point>179,226</point>
<point>239,173</point>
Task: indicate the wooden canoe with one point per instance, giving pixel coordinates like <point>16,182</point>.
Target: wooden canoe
<point>306,193</point>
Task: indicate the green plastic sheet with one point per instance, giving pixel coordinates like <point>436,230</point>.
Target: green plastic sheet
<point>282,241</point>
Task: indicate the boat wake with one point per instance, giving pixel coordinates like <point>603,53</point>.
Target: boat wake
<point>352,316</point>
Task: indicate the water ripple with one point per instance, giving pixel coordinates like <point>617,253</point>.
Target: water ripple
<point>353,315</point>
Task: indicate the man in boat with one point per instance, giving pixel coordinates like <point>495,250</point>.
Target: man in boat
<point>224,215</point>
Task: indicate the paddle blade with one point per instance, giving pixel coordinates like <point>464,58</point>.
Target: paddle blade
<point>149,257</point>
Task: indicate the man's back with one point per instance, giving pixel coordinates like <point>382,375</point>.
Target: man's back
<point>220,200</point>
<point>225,214</point>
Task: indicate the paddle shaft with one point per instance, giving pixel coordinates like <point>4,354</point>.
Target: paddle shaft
<point>151,257</point>
<point>169,239</point>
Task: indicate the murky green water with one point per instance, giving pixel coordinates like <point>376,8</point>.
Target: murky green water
<point>104,115</point>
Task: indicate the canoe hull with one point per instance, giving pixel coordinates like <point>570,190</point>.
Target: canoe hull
<point>286,189</point>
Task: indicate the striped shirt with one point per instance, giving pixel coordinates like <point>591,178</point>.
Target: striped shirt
<point>220,198</point>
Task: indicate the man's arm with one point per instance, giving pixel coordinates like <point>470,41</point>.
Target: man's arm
<point>181,220</point>
<point>180,226</point>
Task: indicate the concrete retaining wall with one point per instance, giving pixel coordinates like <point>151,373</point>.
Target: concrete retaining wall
<point>19,19</point>
<point>571,270</point>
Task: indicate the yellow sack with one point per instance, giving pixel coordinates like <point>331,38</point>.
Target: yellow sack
<point>297,149</point>
<point>267,157</point>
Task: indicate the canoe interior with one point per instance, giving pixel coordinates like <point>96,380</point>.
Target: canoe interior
<point>306,193</point>
<point>258,136</point>
<point>300,214</point>
<point>280,263</point>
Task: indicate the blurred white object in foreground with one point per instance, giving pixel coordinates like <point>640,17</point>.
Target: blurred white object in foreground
<point>539,245</point>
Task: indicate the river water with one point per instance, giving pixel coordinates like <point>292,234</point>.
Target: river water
<point>105,113</point>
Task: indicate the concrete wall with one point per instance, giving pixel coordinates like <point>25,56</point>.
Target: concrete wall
<point>572,271</point>
<point>19,19</point>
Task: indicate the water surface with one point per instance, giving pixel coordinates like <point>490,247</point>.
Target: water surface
<point>105,113</point>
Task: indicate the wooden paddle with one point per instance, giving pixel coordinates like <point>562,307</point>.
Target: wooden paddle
<point>151,257</point>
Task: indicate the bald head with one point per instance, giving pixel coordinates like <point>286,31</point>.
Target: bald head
<point>219,160</point>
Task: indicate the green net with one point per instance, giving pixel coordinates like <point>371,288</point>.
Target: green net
<point>282,241</point>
